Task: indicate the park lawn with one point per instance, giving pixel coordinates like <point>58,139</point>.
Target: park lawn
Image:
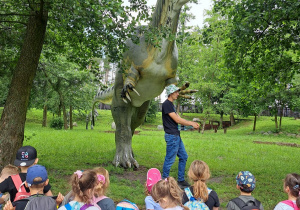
<point>65,151</point>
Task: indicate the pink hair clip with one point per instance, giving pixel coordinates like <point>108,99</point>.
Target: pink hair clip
<point>101,178</point>
<point>78,173</point>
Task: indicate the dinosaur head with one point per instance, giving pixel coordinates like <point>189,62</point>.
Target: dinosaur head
<point>166,13</point>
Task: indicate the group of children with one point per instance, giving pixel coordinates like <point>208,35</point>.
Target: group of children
<point>30,189</point>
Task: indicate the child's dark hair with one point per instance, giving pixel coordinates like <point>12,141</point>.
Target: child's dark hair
<point>82,182</point>
<point>199,173</point>
<point>292,181</point>
<point>40,185</point>
<point>168,188</point>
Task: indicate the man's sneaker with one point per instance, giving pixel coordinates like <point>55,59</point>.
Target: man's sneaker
<point>183,184</point>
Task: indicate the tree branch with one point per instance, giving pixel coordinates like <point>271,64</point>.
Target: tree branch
<point>29,4</point>
<point>8,21</point>
<point>15,14</point>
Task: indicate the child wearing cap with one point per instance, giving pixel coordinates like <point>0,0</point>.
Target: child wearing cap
<point>153,176</point>
<point>36,180</point>
<point>5,173</point>
<point>26,157</point>
<point>246,184</point>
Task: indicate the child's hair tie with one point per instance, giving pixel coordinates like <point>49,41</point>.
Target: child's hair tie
<point>101,178</point>
<point>78,173</point>
<point>296,187</point>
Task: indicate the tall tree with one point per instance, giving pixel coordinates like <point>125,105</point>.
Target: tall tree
<point>89,27</point>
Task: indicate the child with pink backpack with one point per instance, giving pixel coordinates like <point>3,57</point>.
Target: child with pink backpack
<point>292,188</point>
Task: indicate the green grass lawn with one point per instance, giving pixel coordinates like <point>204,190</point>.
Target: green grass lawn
<point>65,151</point>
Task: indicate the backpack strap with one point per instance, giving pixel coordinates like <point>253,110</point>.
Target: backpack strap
<point>239,202</point>
<point>188,193</point>
<point>68,206</point>
<point>85,206</point>
<point>18,183</point>
<point>290,203</point>
<point>96,200</point>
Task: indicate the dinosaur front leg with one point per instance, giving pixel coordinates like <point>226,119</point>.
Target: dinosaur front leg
<point>130,81</point>
<point>123,137</point>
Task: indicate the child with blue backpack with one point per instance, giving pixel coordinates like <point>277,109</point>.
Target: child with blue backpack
<point>199,196</point>
<point>83,186</point>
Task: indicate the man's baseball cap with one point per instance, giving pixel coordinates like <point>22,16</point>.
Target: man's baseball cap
<point>25,156</point>
<point>36,171</point>
<point>171,89</point>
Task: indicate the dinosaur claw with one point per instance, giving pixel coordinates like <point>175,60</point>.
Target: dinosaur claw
<point>135,163</point>
<point>128,97</point>
<point>124,100</point>
<point>136,91</point>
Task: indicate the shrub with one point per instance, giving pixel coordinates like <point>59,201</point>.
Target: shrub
<point>57,123</point>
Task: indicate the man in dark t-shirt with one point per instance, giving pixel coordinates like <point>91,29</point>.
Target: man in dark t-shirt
<point>175,145</point>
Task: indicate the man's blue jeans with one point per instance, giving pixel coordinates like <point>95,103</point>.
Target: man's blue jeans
<point>174,147</point>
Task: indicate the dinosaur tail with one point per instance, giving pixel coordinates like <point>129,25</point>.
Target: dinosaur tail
<point>104,97</point>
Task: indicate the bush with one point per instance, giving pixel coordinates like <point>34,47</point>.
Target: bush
<point>57,123</point>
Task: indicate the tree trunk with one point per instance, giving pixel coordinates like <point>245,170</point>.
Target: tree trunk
<point>71,117</point>
<point>254,124</point>
<point>59,110</point>
<point>13,118</point>
<point>62,105</point>
<point>221,118</point>
<point>178,107</point>
<point>44,124</point>
<point>276,121</point>
<point>203,127</point>
<point>281,115</point>
<point>232,119</point>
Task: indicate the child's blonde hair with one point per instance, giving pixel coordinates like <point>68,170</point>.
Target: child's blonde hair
<point>8,171</point>
<point>168,188</point>
<point>103,185</point>
<point>82,182</point>
<point>292,181</point>
<point>198,174</point>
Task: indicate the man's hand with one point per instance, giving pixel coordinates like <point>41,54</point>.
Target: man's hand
<point>195,125</point>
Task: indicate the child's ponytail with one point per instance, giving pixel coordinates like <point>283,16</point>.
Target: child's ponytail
<point>199,173</point>
<point>83,184</point>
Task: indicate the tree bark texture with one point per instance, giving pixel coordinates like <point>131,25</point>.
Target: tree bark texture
<point>71,117</point>
<point>276,121</point>
<point>13,118</point>
<point>232,118</point>
<point>254,123</point>
<point>44,124</point>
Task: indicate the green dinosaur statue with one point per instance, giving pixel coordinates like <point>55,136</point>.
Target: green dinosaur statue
<point>148,69</point>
